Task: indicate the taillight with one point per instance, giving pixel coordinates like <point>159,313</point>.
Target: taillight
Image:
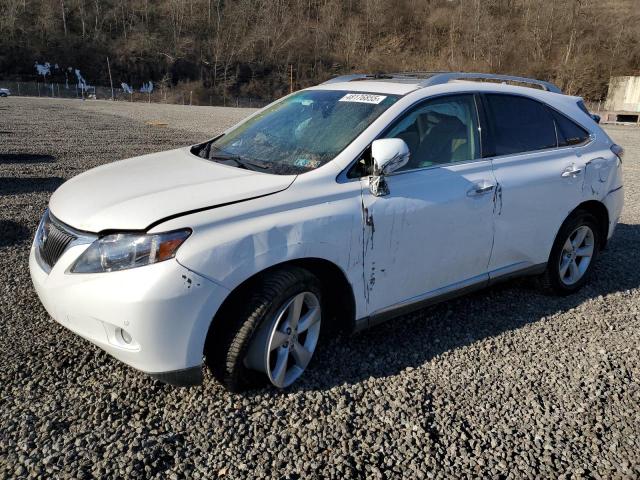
<point>618,151</point>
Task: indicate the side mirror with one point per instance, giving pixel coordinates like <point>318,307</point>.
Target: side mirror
<point>389,155</point>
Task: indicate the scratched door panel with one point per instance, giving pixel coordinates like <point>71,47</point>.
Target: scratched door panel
<point>534,200</point>
<point>427,234</point>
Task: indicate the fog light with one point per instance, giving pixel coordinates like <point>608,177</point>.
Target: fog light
<point>124,336</point>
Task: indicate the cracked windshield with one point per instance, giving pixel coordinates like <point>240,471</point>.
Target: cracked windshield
<point>300,133</point>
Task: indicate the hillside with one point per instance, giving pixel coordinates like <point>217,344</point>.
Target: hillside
<point>255,47</point>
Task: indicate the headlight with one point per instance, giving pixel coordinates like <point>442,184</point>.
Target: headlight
<point>121,251</point>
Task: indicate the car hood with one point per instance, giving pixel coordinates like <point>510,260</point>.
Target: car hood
<point>135,193</point>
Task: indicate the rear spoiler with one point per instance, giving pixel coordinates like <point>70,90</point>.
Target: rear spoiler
<point>583,107</point>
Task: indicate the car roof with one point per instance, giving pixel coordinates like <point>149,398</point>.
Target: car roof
<point>406,82</point>
<point>372,86</point>
<point>457,86</point>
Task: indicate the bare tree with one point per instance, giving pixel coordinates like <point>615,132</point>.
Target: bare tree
<point>64,17</point>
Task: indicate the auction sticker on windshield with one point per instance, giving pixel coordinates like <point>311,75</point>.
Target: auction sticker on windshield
<point>363,98</point>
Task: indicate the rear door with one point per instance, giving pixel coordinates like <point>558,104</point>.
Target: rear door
<point>539,180</point>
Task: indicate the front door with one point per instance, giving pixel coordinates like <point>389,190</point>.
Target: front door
<point>433,233</point>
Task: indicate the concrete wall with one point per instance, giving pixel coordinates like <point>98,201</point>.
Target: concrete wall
<point>623,94</point>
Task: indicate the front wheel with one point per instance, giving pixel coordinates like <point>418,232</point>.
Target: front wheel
<point>270,332</point>
<point>573,255</point>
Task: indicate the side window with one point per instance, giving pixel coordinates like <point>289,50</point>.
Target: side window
<point>440,131</point>
<point>568,132</point>
<point>519,124</point>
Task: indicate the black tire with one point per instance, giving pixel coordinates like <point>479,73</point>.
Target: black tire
<point>550,281</point>
<point>237,324</point>
<point>3,94</point>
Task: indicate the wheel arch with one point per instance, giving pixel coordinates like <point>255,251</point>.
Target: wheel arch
<point>335,286</point>
<point>601,213</point>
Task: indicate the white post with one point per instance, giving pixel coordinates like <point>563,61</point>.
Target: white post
<point>110,79</point>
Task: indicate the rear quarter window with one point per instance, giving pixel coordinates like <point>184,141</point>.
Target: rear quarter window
<point>569,133</point>
<point>519,124</point>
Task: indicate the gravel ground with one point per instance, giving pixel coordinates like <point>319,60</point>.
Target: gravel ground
<point>503,383</point>
<point>208,120</point>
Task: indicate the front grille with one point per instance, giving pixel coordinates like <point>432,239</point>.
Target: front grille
<point>54,240</point>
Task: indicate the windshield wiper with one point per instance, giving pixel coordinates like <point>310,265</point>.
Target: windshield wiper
<point>240,161</point>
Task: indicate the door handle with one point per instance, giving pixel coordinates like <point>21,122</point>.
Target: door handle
<point>480,188</point>
<point>571,171</point>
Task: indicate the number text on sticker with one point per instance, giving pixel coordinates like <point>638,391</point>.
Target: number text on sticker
<point>363,98</point>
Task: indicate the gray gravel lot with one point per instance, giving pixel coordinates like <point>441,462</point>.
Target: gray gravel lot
<point>503,383</point>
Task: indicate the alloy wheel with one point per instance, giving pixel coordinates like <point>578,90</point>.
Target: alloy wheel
<point>576,255</point>
<point>283,347</point>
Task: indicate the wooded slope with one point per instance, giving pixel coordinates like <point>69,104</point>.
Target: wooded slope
<point>250,47</point>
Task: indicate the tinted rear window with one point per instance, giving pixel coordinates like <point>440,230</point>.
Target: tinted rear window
<point>520,125</point>
<point>569,133</point>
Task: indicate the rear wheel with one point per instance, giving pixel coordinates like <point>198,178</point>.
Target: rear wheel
<point>270,331</point>
<point>573,254</point>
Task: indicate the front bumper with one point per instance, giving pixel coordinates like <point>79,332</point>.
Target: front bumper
<point>165,308</point>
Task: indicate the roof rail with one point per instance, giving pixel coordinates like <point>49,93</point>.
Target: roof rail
<point>438,78</point>
<point>359,76</point>
<point>428,79</point>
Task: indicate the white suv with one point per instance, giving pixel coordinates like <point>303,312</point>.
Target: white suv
<point>336,207</point>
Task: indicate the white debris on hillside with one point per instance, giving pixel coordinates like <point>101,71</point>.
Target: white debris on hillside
<point>43,69</point>
<point>82,83</point>
<point>147,87</point>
